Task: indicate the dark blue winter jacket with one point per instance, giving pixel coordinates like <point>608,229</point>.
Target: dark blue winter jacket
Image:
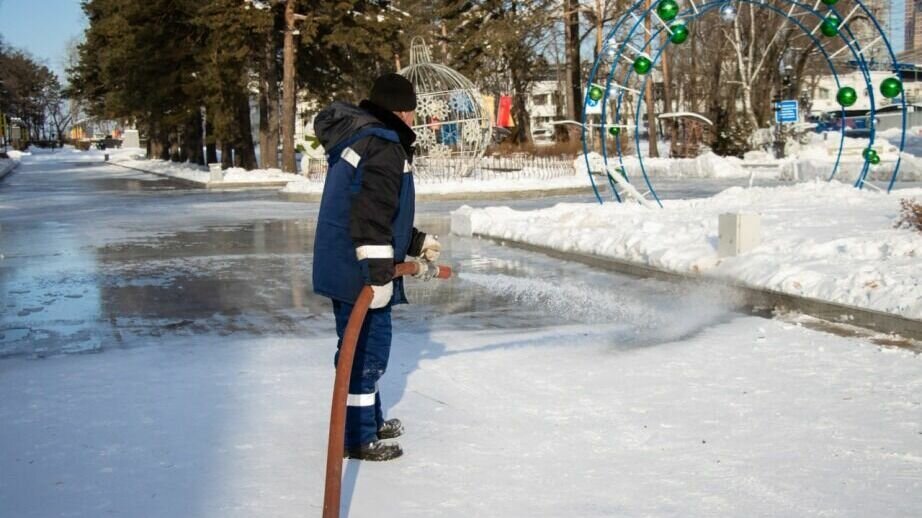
<point>365,224</point>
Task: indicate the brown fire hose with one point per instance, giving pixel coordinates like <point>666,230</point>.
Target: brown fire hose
<point>333,486</point>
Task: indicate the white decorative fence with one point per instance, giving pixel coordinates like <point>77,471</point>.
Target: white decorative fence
<point>438,170</point>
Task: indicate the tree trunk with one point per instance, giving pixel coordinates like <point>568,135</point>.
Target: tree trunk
<point>176,145</point>
<point>692,94</point>
<point>571,22</point>
<point>667,83</point>
<point>520,112</point>
<point>651,105</point>
<point>227,155</point>
<point>211,153</point>
<point>245,151</point>
<point>289,99</point>
<point>268,108</point>
<point>211,149</point>
<point>192,139</point>
<point>162,142</point>
<point>263,125</point>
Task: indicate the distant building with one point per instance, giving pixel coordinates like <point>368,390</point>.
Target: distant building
<point>542,105</point>
<point>824,95</point>
<point>92,128</point>
<point>913,31</point>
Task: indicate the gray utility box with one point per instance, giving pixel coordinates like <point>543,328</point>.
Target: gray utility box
<point>738,233</point>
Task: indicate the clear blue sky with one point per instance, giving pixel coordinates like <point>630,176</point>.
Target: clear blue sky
<point>42,27</point>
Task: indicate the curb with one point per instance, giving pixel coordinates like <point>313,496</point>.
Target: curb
<point>212,186</point>
<point>7,169</point>
<point>312,197</point>
<point>751,297</point>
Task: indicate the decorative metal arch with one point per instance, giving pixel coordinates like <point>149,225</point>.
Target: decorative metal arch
<point>625,39</point>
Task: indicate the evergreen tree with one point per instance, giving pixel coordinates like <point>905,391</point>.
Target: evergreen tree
<point>28,90</point>
<point>346,44</point>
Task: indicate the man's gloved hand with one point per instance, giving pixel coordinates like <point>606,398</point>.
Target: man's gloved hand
<point>426,271</point>
<point>382,295</point>
<point>431,249</point>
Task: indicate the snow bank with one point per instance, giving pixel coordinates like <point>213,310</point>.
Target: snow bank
<point>195,173</point>
<point>816,159</point>
<point>707,165</point>
<point>822,240</point>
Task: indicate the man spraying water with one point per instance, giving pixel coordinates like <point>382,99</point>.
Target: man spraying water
<point>364,228</point>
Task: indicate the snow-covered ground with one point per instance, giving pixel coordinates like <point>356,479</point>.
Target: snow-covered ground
<point>134,157</point>
<point>528,386</point>
<point>747,418</point>
<point>822,240</point>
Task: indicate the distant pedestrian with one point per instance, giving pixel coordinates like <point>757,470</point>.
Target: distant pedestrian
<point>365,227</point>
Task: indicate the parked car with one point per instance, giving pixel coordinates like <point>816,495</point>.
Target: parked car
<point>108,143</point>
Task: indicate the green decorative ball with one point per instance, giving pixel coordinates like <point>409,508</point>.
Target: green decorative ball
<point>829,28</point>
<point>614,131</point>
<point>830,2</point>
<point>642,65</point>
<point>874,159</point>
<point>868,152</point>
<point>667,10</point>
<point>847,96</point>
<point>595,93</point>
<point>679,33</point>
<point>891,87</point>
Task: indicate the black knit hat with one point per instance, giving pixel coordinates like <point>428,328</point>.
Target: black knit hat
<point>393,92</point>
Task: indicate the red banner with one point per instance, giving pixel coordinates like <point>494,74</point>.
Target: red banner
<point>504,114</point>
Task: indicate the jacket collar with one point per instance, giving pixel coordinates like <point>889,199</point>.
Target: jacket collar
<point>392,122</point>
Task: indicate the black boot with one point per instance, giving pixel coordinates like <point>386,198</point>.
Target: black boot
<point>374,451</point>
<point>391,429</point>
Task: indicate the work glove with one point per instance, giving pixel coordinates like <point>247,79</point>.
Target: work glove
<point>426,271</point>
<point>382,295</point>
<point>431,249</point>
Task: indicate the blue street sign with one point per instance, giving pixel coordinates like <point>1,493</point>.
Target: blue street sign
<point>786,112</point>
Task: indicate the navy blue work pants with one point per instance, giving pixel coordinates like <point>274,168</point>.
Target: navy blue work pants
<point>363,406</point>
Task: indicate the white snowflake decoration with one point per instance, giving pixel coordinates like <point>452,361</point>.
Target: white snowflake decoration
<point>432,107</point>
<point>471,132</point>
<point>424,105</point>
<point>425,138</point>
<point>439,151</point>
<point>451,123</point>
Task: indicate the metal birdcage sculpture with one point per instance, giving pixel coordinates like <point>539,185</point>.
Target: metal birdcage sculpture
<point>452,126</point>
